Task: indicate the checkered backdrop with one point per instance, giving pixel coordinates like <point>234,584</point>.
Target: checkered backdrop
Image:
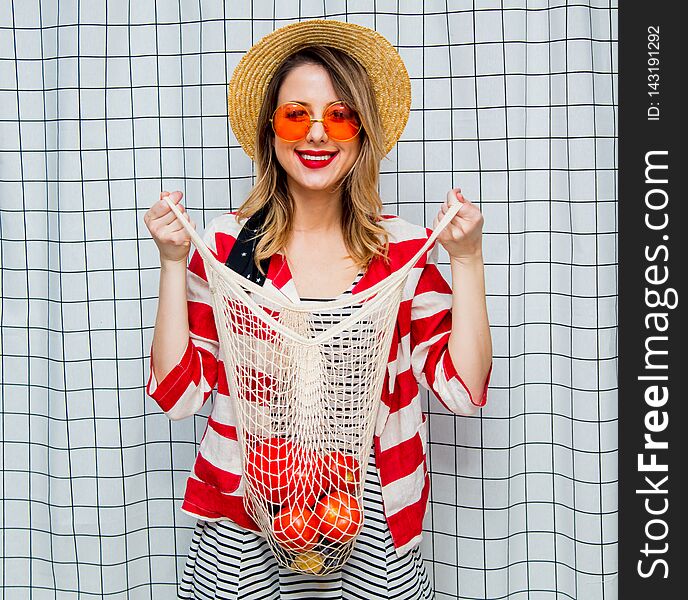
<point>101,107</point>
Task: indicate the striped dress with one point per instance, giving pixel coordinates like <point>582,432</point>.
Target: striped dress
<point>226,561</point>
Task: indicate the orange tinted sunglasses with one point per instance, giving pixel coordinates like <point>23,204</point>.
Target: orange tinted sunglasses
<point>291,121</point>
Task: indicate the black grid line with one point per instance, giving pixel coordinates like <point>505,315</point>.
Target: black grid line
<point>101,108</point>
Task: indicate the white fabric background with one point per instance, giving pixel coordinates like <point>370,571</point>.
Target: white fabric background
<point>102,107</point>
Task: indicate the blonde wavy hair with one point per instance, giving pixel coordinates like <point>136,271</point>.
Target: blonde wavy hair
<point>361,202</point>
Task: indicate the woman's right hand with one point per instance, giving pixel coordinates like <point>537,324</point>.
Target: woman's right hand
<point>169,234</point>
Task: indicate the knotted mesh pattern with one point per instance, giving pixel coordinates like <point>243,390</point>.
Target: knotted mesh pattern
<point>306,398</point>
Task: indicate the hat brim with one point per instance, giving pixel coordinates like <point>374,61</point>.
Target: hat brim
<point>385,68</point>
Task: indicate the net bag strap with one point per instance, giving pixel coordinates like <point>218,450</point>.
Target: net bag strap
<point>391,281</point>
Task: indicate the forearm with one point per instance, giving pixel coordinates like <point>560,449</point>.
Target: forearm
<point>171,335</point>
<point>470,341</point>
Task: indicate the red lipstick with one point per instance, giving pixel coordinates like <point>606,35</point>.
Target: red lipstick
<point>315,163</point>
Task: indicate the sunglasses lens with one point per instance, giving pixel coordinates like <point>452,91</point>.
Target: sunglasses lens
<point>341,122</point>
<point>291,122</point>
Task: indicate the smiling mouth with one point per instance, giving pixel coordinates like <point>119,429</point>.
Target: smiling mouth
<point>315,160</point>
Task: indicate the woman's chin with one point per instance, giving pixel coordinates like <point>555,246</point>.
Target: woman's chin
<point>314,184</point>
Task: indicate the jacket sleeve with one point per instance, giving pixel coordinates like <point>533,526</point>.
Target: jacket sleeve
<point>185,389</point>
<point>431,323</point>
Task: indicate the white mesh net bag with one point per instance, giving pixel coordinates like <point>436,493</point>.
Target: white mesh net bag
<point>307,380</point>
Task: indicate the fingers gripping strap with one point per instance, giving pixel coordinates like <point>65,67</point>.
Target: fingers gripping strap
<point>451,213</point>
<point>195,238</point>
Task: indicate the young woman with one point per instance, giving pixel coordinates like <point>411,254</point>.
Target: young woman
<point>322,235</point>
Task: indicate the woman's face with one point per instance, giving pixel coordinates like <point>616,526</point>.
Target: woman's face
<point>311,86</point>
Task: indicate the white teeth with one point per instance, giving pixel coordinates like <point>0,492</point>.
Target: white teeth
<point>309,157</point>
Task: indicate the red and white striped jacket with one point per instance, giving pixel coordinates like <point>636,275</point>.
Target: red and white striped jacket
<point>419,355</point>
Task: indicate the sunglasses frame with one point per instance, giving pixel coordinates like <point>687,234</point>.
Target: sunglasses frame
<point>360,126</point>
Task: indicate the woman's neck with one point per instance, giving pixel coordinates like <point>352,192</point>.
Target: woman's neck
<point>316,211</point>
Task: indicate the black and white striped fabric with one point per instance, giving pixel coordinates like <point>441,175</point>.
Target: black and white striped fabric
<point>226,561</point>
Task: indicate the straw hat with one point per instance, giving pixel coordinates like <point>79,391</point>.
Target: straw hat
<point>386,69</point>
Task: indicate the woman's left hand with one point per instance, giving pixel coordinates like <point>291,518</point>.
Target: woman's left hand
<point>462,237</point>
